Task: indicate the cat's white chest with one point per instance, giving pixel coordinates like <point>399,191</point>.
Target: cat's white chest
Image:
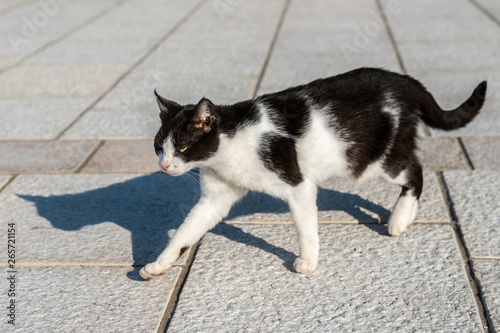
<point>239,163</point>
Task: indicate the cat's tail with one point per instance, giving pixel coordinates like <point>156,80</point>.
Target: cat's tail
<point>432,114</point>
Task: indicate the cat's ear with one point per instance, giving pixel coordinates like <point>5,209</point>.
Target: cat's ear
<point>166,106</point>
<point>204,115</point>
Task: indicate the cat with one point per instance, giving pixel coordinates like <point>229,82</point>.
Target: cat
<point>358,125</point>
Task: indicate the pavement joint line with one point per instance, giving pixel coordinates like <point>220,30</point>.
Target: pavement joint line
<point>81,264</point>
<point>169,33</point>
<point>466,258</point>
<point>89,157</point>
<point>15,6</point>
<point>284,11</point>
<point>14,176</point>
<point>64,36</point>
<point>176,293</point>
<point>461,146</point>
<point>484,258</point>
<point>485,11</point>
<point>380,8</point>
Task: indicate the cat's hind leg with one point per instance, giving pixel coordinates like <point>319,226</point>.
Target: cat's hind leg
<point>302,204</point>
<point>405,210</point>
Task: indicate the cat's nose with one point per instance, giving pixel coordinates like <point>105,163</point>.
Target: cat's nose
<point>164,165</point>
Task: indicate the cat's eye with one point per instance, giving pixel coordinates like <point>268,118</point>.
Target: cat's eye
<point>183,149</point>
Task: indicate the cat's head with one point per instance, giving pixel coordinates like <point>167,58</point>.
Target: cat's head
<point>188,136</point>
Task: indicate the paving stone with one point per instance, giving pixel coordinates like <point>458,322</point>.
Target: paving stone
<point>485,124</point>
<point>134,156</point>
<point>437,153</point>
<point>225,32</point>
<point>483,152</point>
<point>242,276</point>
<point>323,16</point>
<point>429,9</point>
<point>135,22</point>
<point>278,73</point>
<point>450,89</point>
<point>441,30</point>
<point>92,52</point>
<point>10,5</point>
<point>314,43</point>
<point>64,17</point>
<point>115,125</point>
<point>206,62</point>
<point>43,156</point>
<point>59,80</point>
<point>345,201</point>
<point>93,299</point>
<point>460,54</point>
<point>38,118</point>
<point>96,219</point>
<point>136,92</point>
<point>487,272</point>
<point>474,195</point>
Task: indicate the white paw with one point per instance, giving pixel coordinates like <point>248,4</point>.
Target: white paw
<point>396,229</point>
<point>151,270</point>
<point>305,266</point>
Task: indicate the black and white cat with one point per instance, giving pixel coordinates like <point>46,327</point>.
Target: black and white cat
<point>357,125</point>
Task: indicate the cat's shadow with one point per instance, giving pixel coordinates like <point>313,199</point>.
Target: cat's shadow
<point>152,205</point>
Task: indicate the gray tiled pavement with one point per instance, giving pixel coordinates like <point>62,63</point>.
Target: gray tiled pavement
<point>77,117</point>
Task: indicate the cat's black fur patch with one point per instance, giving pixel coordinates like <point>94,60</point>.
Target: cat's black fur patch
<point>288,111</point>
<point>237,116</point>
<point>280,156</point>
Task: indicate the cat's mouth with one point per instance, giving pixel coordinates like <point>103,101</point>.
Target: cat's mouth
<point>174,173</point>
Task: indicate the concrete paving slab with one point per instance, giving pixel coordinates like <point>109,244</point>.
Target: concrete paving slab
<point>411,29</point>
<point>323,16</point>
<point>114,125</point>
<point>439,153</point>
<point>242,278</point>
<point>461,54</point>
<point>124,156</point>
<point>483,152</point>
<point>206,62</point>
<point>239,25</point>
<point>95,219</point>
<point>59,80</point>
<point>38,118</point>
<point>92,299</point>
<point>43,156</point>
<point>444,9</point>
<point>92,52</point>
<point>474,196</point>
<point>63,18</point>
<point>9,5</point>
<point>135,22</point>
<point>136,91</point>
<point>313,43</point>
<point>487,273</point>
<point>343,201</point>
<point>307,68</point>
<point>485,124</point>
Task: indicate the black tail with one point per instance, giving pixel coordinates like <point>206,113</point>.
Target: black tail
<point>434,116</point>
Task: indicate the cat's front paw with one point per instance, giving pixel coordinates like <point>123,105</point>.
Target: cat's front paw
<point>305,266</point>
<point>151,270</point>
